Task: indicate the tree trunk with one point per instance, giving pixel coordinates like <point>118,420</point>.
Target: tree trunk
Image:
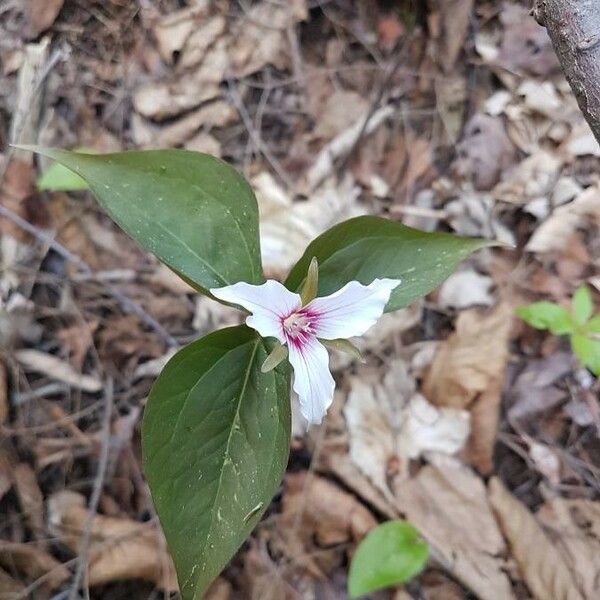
<point>574,28</point>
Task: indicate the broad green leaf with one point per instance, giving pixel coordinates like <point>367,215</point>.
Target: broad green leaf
<point>547,315</point>
<point>583,305</point>
<point>215,438</point>
<point>367,248</point>
<point>391,554</point>
<point>593,325</point>
<point>587,350</point>
<point>193,211</point>
<point>60,179</point>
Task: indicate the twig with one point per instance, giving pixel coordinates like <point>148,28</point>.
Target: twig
<point>84,542</point>
<point>126,303</point>
<point>374,105</point>
<point>255,136</point>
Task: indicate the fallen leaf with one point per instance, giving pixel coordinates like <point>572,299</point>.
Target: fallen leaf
<point>255,44</point>
<point>213,114</point>
<point>473,214</point>
<point>465,289</point>
<point>326,512</point>
<point>173,30</point>
<point>287,227</point>
<point>535,177</point>
<point>525,44</point>
<point>331,120</point>
<point>484,152</point>
<point>30,497</point>
<point>41,14</point>
<point>581,142</point>
<point>9,587</point>
<point>455,15</point>
<point>55,368</point>
<point>468,372</point>
<point>447,503</point>
<point>534,389</point>
<point>121,548</point>
<point>33,562</point>
<point>471,360</point>
<point>389,424</point>
<point>574,526</point>
<point>540,562</point>
<point>556,230</point>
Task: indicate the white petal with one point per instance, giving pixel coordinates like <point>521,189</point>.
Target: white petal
<point>268,303</point>
<point>352,310</point>
<point>312,379</point>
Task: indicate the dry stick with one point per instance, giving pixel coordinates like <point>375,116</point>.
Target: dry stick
<point>126,303</point>
<point>84,542</point>
<point>374,105</point>
<point>255,136</point>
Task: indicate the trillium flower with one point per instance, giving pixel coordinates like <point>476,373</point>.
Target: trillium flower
<point>305,325</point>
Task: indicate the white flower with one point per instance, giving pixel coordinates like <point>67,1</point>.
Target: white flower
<point>279,313</point>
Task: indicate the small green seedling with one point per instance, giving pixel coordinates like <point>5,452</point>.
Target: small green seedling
<point>582,327</point>
<point>391,554</point>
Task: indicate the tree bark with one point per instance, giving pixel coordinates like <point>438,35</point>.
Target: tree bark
<point>574,28</point>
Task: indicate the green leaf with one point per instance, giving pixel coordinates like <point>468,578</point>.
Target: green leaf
<point>583,305</point>
<point>60,179</point>
<point>587,351</point>
<point>391,554</point>
<point>547,315</point>
<point>367,248</point>
<point>215,438</point>
<point>193,211</point>
<point>593,325</point>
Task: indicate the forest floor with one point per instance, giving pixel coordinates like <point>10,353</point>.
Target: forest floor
<point>478,429</point>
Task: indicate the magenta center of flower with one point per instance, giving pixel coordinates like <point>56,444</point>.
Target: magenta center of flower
<point>298,327</point>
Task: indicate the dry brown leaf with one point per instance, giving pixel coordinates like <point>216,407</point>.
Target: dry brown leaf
<point>173,30</point>
<point>541,564</point>
<point>473,214</point>
<point>287,227</point>
<point>41,14</point>
<point>214,114</point>
<point>10,588</point>
<point>319,523</point>
<point>33,562</point>
<point>471,359</point>
<point>533,178</point>
<point>121,548</point>
<point>555,231</point>
<point>389,424</point>
<point>200,40</point>
<point>485,151</point>
<point>455,16</point>
<point>465,289</point>
<point>331,120</point>
<point>574,527</point>
<point>30,497</point>
<point>261,38</point>
<point>525,45</point>
<point>333,516</point>
<point>447,503</point>
<point>55,368</point>
<point>162,100</point>
<point>468,372</point>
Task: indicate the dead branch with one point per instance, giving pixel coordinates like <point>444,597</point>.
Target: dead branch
<point>574,28</point>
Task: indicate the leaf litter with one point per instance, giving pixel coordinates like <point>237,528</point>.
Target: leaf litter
<point>331,111</point>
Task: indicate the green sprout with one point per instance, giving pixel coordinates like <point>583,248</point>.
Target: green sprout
<point>580,324</point>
